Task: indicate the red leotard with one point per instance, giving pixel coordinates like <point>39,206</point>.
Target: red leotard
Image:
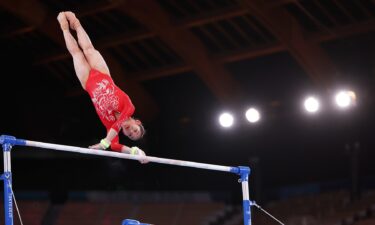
<point>108,99</point>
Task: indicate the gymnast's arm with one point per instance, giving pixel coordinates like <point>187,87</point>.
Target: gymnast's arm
<point>106,142</point>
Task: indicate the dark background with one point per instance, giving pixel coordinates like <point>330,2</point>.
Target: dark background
<point>41,98</point>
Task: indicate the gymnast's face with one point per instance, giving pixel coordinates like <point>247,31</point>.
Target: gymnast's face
<point>132,130</point>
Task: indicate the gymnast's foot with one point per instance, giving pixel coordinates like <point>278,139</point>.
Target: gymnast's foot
<point>73,21</point>
<point>63,21</point>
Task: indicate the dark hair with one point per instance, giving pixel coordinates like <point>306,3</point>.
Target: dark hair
<point>143,131</point>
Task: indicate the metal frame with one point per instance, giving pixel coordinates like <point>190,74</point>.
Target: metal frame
<point>8,141</point>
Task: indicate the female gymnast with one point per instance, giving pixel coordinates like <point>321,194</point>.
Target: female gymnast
<point>112,105</point>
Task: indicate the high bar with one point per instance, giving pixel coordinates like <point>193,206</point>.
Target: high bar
<point>13,141</point>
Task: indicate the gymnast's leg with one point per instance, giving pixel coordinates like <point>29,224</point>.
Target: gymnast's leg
<point>81,66</point>
<point>93,56</point>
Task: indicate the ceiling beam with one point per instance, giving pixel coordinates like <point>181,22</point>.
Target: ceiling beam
<point>212,17</point>
<point>187,46</point>
<point>44,22</point>
<point>17,32</point>
<point>260,51</point>
<point>277,3</point>
<point>161,72</point>
<point>226,58</point>
<point>104,43</point>
<point>287,30</point>
<point>98,7</point>
<point>25,10</point>
<point>48,25</point>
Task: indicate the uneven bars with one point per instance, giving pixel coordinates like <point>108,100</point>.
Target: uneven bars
<point>8,141</point>
<point>67,148</point>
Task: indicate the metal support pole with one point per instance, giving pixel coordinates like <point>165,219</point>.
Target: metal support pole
<point>244,173</point>
<point>7,179</point>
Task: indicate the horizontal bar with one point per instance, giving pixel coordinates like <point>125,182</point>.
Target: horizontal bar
<point>175,162</point>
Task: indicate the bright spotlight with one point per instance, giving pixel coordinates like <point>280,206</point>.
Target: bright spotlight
<point>226,120</point>
<point>311,105</point>
<point>252,115</point>
<point>344,99</point>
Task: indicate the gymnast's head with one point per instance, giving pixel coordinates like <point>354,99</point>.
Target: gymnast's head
<point>133,129</point>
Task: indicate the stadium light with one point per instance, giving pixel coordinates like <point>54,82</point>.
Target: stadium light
<point>345,99</point>
<point>252,115</point>
<point>311,104</point>
<point>226,120</point>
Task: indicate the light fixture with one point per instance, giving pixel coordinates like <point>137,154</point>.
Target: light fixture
<point>226,120</point>
<point>345,98</point>
<point>311,104</point>
<point>252,115</point>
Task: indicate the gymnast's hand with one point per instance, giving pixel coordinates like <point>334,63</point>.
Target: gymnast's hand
<point>104,144</point>
<point>138,151</point>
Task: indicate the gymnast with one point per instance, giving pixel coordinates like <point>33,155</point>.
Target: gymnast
<point>112,105</point>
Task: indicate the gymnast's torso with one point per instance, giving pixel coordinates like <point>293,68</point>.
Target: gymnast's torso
<point>108,99</point>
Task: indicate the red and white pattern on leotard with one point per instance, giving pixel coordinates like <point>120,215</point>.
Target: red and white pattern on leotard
<point>104,99</point>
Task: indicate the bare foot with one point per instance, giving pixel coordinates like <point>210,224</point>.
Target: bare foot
<point>63,21</point>
<point>73,21</point>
